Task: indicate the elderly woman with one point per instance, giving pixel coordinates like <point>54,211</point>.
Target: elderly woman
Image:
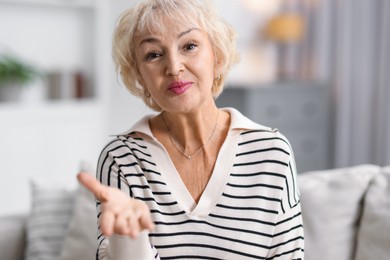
<point>207,183</point>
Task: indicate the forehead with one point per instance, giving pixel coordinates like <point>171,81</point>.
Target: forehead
<point>168,17</point>
<point>174,34</point>
<point>168,28</point>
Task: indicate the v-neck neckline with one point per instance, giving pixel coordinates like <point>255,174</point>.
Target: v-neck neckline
<point>221,172</point>
<point>215,186</point>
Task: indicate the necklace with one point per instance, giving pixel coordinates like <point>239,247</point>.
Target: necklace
<point>188,156</point>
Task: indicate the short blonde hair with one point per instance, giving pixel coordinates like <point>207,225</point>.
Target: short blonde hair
<point>162,16</point>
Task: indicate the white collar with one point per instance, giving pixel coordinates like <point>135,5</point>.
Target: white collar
<point>238,122</point>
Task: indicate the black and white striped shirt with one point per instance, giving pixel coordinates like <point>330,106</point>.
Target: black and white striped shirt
<point>250,208</point>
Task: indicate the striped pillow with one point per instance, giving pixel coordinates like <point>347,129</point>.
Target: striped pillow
<point>51,211</point>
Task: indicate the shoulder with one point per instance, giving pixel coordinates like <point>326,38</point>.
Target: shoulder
<point>249,129</point>
<point>124,144</point>
<point>266,138</point>
<point>256,137</point>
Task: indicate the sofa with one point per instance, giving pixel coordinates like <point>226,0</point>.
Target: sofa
<point>346,215</point>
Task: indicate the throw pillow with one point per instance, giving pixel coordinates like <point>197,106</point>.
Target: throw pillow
<point>331,206</point>
<point>373,238</point>
<point>51,210</point>
<point>80,240</point>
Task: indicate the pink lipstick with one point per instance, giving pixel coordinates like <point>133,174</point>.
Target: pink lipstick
<point>179,87</point>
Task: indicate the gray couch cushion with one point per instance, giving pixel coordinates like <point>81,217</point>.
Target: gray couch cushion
<point>331,207</point>
<point>13,237</point>
<point>374,238</point>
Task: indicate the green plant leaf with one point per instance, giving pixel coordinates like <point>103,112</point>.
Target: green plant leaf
<point>12,70</point>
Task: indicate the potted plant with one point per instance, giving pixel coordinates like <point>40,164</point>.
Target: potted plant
<point>13,75</point>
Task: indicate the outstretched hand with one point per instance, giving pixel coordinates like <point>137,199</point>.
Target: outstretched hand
<point>120,214</point>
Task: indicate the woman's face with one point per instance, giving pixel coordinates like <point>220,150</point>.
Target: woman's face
<point>178,69</point>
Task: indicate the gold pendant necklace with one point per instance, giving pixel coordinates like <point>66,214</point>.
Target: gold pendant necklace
<point>197,150</point>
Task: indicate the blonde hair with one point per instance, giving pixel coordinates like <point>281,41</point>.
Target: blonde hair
<point>162,16</point>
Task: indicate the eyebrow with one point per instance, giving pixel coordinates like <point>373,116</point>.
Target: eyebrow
<point>155,40</point>
<point>186,32</point>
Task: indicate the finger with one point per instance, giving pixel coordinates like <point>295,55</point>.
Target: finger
<point>93,185</point>
<point>107,222</point>
<point>147,222</point>
<point>122,225</point>
<point>134,225</point>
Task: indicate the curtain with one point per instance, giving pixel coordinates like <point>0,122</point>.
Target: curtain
<point>348,46</point>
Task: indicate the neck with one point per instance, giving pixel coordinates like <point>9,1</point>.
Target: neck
<point>191,130</point>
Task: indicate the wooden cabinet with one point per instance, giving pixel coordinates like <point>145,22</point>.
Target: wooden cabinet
<point>300,111</point>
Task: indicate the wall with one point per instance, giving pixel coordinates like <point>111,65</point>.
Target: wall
<point>47,145</point>
<point>67,35</point>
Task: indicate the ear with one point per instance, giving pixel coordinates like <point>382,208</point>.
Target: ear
<point>217,73</point>
<point>217,67</point>
<point>140,80</point>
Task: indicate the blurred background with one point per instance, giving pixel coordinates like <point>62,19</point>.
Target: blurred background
<point>318,70</point>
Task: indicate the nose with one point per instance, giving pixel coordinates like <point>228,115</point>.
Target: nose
<point>174,64</point>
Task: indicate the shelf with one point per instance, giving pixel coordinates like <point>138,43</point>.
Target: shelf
<point>79,41</point>
<point>7,107</point>
<point>88,4</point>
<point>49,112</point>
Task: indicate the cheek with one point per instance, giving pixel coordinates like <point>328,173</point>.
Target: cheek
<point>205,68</point>
<point>204,64</point>
<point>149,76</point>
<point>207,63</point>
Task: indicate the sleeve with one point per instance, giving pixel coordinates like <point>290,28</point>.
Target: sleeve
<point>118,247</point>
<point>288,239</point>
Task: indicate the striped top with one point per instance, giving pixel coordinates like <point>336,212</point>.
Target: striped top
<point>249,209</point>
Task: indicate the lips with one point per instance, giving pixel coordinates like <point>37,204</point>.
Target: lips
<point>179,87</point>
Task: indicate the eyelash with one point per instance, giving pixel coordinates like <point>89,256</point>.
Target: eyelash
<point>152,55</point>
<point>190,46</point>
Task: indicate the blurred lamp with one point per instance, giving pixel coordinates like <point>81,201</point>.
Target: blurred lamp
<point>285,28</point>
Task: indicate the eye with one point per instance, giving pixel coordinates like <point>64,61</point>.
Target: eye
<point>190,46</point>
<point>152,55</point>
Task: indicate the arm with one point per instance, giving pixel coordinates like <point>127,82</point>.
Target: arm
<point>288,240</point>
<point>121,218</point>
